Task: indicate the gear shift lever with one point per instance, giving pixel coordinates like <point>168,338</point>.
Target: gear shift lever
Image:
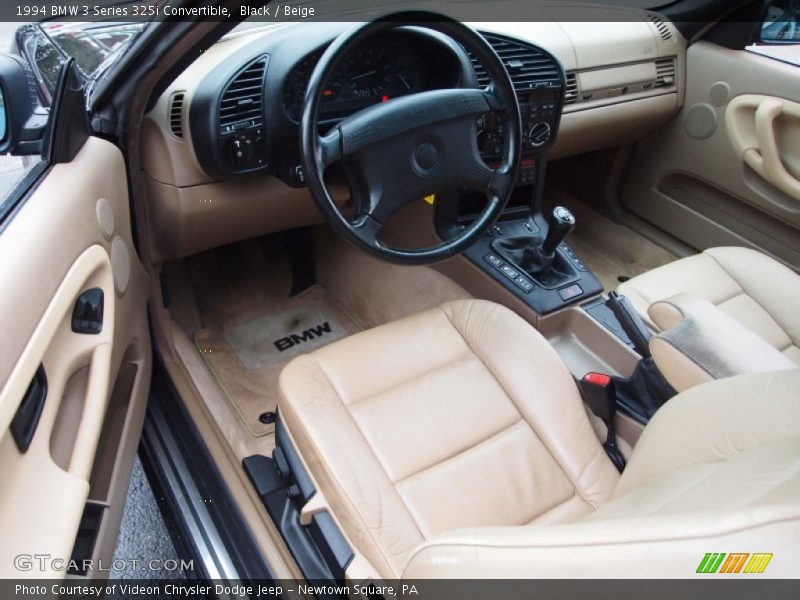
<point>559,224</point>
<point>540,261</point>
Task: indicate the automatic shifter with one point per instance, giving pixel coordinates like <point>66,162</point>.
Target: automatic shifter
<point>541,261</point>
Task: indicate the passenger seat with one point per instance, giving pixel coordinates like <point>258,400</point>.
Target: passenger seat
<point>723,312</point>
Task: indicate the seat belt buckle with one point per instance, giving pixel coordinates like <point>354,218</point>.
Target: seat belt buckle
<point>598,392</point>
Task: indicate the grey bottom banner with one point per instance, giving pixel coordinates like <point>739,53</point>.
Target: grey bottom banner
<point>727,589</point>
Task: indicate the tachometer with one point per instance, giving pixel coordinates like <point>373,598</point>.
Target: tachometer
<point>295,88</point>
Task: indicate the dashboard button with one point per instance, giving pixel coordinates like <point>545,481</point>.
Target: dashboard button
<point>299,175</point>
<point>494,260</point>
<point>572,291</point>
<point>523,284</point>
<point>509,272</point>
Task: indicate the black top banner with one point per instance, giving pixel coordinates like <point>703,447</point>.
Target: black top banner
<point>320,10</point>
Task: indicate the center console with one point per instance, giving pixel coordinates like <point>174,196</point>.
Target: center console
<point>525,252</point>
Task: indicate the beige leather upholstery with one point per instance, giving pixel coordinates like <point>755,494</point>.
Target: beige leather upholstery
<point>454,444</point>
<point>728,481</point>
<point>751,287</point>
<point>700,342</point>
<point>460,416</point>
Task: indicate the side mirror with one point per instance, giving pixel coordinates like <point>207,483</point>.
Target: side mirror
<point>781,22</point>
<point>2,118</point>
<point>21,126</point>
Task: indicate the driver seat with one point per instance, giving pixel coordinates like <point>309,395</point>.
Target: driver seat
<point>454,443</point>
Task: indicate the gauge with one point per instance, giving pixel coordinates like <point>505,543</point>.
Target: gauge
<point>295,89</point>
<point>375,71</point>
<point>404,79</point>
<point>367,71</point>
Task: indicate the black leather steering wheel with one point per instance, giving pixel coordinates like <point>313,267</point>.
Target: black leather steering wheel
<point>401,151</point>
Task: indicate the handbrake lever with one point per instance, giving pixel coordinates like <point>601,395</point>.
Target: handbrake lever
<point>631,323</point>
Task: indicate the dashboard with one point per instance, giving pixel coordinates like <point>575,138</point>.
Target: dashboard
<point>254,131</point>
<point>244,116</point>
<point>221,142</point>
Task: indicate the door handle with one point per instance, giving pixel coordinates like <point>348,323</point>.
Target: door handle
<point>766,159</point>
<point>26,419</point>
<point>94,410</point>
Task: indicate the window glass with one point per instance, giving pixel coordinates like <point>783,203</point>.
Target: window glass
<point>782,22</point>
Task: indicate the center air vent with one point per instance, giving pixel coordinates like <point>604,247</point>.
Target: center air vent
<point>571,93</point>
<point>527,66</point>
<point>665,72</point>
<point>176,114</point>
<point>243,98</point>
<point>663,29</point>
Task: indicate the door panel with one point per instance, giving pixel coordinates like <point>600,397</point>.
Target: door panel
<point>710,178</point>
<point>71,235</point>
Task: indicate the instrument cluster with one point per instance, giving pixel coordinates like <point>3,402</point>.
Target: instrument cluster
<point>375,71</point>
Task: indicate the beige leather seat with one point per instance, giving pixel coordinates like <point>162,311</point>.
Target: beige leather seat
<point>454,443</point>
<point>754,289</point>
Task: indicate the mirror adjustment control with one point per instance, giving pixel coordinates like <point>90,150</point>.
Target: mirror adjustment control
<point>292,173</point>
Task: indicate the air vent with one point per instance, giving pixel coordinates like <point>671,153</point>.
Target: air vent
<point>526,65</point>
<point>571,94</point>
<point>176,114</point>
<point>663,29</point>
<point>242,100</point>
<point>480,71</point>
<point>665,72</point>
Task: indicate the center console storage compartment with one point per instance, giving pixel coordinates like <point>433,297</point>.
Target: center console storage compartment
<point>585,345</point>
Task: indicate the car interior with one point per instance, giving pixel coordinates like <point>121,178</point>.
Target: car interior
<point>506,300</point>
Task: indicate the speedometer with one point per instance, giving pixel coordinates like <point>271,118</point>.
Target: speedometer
<point>367,71</point>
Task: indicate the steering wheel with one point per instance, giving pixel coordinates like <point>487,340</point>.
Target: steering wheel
<point>403,150</point>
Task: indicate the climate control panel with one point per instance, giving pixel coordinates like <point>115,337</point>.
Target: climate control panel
<point>540,112</point>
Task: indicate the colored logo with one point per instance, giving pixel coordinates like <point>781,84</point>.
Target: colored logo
<point>734,562</point>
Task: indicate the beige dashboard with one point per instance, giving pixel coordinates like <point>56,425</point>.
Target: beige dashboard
<point>624,81</point>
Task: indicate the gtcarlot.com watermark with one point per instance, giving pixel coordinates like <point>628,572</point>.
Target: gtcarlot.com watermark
<point>46,563</point>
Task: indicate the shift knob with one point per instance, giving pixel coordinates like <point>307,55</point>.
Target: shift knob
<point>559,224</point>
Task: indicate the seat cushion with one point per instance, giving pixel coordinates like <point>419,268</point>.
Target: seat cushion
<point>460,416</point>
<point>751,287</point>
<point>717,469</point>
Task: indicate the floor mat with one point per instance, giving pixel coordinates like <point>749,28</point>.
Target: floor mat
<point>247,358</point>
<point>250,327</point>
<point>281,336</point>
